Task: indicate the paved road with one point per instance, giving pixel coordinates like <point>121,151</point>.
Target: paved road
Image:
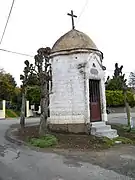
<point>120,118</point>
<point>21,163</point>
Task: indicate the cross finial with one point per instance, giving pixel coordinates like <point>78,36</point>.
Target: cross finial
<point>72,16</point>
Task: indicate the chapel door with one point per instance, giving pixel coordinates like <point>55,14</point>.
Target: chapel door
<point>94,93</point>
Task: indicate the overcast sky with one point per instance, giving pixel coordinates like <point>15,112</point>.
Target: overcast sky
<point>39,23</point>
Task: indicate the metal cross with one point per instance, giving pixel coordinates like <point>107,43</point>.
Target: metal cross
<point>72,16</point>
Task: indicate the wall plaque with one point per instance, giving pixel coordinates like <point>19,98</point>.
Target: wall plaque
<point>94,71</point>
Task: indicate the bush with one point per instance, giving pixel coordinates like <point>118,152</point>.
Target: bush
<point>116,98</point>
<point>131,100</point>
<point>42,142</point>
<point>107,142</point>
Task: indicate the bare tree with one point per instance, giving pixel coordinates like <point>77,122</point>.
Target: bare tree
<point>44,72</point>
<point>27,71</point>
<point>127,107</point>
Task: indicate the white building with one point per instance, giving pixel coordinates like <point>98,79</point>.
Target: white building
<point>78,102</point>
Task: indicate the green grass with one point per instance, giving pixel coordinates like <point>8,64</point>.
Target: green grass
<point>123,140</point>
<point>107,142</point>
<point>111,142</point>
<point>17,113</point>
<point>11,114</point>
<point>125,132</point>
<point>46,141</point>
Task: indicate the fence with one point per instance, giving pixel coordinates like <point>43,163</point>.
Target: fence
<point>31,110</point>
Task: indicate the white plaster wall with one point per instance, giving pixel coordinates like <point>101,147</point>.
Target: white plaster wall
<point>3,110</point>
<point>94,58</point>
<point>69,102</point>
<point>29,112</point>
<point>68,99</point>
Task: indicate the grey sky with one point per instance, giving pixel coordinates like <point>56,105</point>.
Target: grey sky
<point>39,23</point>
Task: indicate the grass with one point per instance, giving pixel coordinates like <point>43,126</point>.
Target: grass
<point>123,140</point>
<point>10,113</point>
<point>43,142</point>
<point>111,142</point>
<point>107,143</point>
<point>123,132</point>
<point>18,113</point>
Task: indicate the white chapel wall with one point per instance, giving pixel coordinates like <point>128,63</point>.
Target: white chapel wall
<point>68,99</point>
<point>69,102</point>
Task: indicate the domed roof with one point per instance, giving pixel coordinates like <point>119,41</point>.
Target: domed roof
<point>73,39</point>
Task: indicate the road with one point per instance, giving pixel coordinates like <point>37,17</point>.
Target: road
<point>22,163</point>
<point>120,118</point>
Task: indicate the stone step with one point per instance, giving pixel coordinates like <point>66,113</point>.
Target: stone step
<point>100,128</point>
<point>112,133</point>
<point>96,124</point>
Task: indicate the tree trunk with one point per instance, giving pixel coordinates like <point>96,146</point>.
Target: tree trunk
<point>44,111</point>
<point>127,109</point>
<point>22,118</point>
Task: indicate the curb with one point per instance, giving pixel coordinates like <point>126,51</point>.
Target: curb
<point>9,137</point>
<point>13,139</point>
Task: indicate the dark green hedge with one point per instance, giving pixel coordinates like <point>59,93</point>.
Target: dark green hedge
<point>116,98</point>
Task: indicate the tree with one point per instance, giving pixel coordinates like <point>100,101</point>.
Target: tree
<point>127,106</point>
<point>17,99</point>
<point>27,72</point>
<point>132,79</point>
<point>44,72</point>
<point>117,81</point>
<point>33,89</point>
<point>7,85</point>
<point>33,94</point>
<point>33,80</point>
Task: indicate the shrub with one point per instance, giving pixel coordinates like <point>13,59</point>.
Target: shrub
<point>116,98</point>
<point>107,142</point>
<point>42,142</point>
<point>130,97</point>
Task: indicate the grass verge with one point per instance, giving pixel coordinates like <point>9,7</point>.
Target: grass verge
<point>43,142</point>
<point>10,113</point>
<point>111,142</point>
<point>69,141</point>
<point>123,131</point>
